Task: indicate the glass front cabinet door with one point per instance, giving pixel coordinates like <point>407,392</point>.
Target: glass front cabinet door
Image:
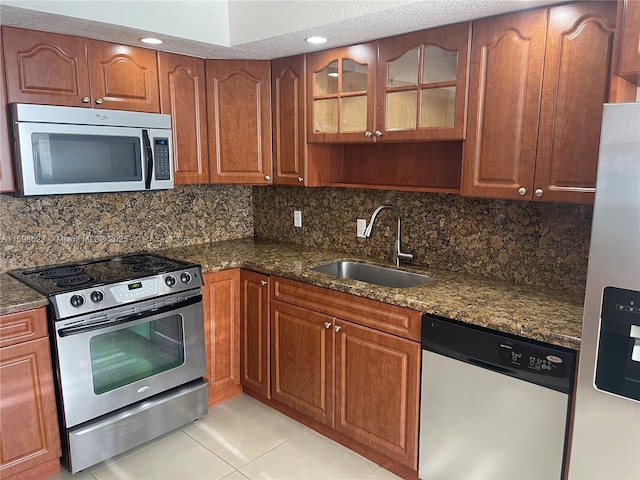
<point>422,84</point>
<point>341,94</point>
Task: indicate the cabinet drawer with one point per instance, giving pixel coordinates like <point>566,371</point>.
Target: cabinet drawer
<point>22,326</point>
<point>371,313</point>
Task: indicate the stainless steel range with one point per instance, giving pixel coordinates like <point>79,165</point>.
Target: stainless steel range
<point>127,339</point>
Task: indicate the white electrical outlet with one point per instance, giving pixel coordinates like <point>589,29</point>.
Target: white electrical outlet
<point>361,225</point>
<point>297,218</point>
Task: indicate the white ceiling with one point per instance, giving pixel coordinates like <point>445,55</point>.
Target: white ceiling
<point>252,29</point>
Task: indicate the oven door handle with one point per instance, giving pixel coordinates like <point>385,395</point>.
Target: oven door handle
<point>76,330</point>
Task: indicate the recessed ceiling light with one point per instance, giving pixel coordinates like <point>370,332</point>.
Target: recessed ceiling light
<point>316,40</point>
<point>152,41</point>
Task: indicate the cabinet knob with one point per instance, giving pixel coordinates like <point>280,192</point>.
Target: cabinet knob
<point>538,192</point>
<point>300,179</point>
<point>267,178</point>
<point>99,101</point>
<point>522,191</point>
<point>86,99</point>
<point>378,133</point>
<point>337,328</point>
<point>368,134</point>
<point>263,282</point>
<point>327,324</point>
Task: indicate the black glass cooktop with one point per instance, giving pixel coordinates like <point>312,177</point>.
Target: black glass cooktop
<point>53,279</point>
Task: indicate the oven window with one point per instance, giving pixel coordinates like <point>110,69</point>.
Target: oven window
<point>131,354</point>
<point>78,158</point>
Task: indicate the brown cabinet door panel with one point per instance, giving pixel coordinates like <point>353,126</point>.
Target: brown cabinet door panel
<point>45,68</point>
<point>20,327</point>
<point>377,390</point>
<point>302,360</point>
<point>504,102</point>
<point>28,420</point>
<point>577,69</point>
<point>630,48</point>
<point>221,299</point>
<point>239,120</point>
<point>183,96</point>
<point>6,164</point>
<point>289,120</point>
<point>123,77</point>
<point>254,312</point>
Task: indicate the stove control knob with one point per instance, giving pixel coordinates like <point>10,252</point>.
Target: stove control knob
<point>185,277</point>
<point>77,301</point>
<point>97,296</point>
<point>170,281</point>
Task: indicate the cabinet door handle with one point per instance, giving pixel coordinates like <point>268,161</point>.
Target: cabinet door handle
<point>522,191</point>
<point>99,101</point>
<point>86,99</point>
<point>267,178</point>
<point>263,282</point>
<point>368,134</point>
<point>327,324</point>
<point>378,133</point>
<point>337,328</point>
<point>538,192</point>
<point>300,179</point>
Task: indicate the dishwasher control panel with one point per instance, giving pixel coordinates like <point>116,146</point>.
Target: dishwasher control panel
<point>530,360</point>
<point>527,358</point>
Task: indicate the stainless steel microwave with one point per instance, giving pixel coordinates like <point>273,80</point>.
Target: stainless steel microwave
<point>60,150</point>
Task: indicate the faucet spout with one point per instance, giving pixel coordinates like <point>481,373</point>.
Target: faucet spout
<point>398,254</point>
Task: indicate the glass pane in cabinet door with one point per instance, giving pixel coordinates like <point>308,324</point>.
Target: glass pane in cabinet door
<point>325,115</point>
<point>439,65</point>
<point>438,107</point>
<point>402,110</point>
<point>326,81</point>
<point>404,70</point>
<point>354,76</point>
<point>354,114</point>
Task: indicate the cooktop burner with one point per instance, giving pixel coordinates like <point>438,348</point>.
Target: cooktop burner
<point>55,279</point>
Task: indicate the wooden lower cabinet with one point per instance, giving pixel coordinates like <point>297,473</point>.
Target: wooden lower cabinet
<point>29,435</point>
<point>221,299</point>
<point>254,331</point>
<point>361,382</point>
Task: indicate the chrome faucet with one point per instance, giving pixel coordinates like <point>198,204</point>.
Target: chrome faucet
<point>398,254</point>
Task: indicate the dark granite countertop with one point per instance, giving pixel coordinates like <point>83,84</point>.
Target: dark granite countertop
<point>547,315</point>
<point>15,296</point>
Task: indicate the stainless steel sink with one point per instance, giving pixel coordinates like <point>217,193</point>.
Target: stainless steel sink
<point>365,272</point>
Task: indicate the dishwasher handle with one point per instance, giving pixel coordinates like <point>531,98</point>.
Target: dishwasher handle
<point>489,366</point>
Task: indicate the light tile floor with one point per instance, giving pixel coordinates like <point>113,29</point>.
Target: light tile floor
<point>238,439</point>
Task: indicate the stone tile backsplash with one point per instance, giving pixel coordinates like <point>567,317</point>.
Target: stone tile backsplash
<point>540,244</point>
<point>63,228</point>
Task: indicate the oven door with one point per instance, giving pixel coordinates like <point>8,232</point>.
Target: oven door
<point>138,351</point>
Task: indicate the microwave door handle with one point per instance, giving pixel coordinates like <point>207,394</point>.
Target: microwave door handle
<point>149,155</point>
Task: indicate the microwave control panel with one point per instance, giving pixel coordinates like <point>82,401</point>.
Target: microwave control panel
<point>161,159</point>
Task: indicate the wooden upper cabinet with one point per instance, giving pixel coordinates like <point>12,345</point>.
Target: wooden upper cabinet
<point>183,96</point>
<point>46,68</point>
<point>422,84</point>
<point>630,48</point>
<point>340,93</point>
<point>288,96</point>
<point>239,121</point>
<point>507,54</point>
<point>54,69</point>
<point>123,77</point>
<point>7,183</point>
<point>575,86</point>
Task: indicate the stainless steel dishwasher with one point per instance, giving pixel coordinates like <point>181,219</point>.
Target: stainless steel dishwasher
<point>493,405</point>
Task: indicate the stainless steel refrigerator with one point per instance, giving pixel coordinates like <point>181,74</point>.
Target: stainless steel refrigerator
<point>606,433</point>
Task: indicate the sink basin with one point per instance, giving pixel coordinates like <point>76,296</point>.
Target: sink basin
<point>385,277</point>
